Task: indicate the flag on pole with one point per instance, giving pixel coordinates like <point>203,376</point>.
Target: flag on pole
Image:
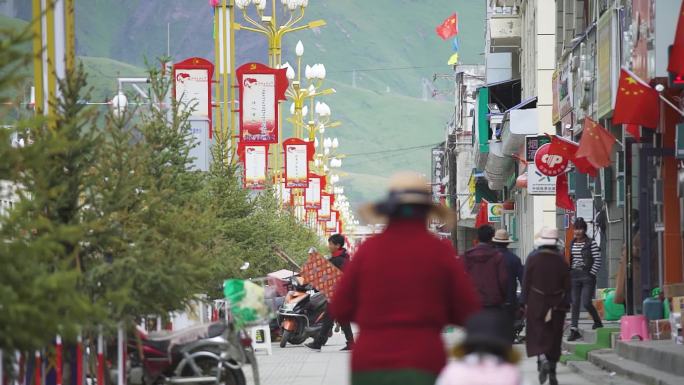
<point>568,149</point>
<point>596,144</point>
<point>448,28</point>
<point>563,199</point>
<point>455,44</point>
<point>676,63</point>
<point>636,102</point>
<point>453,60</point>
<point>482,218</point>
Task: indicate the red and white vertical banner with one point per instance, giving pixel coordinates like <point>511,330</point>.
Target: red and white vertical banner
<point>298,154</point>
<point>192,87</point>
<point>261,88</point>
<point>312,195</point>
<point>331,225</point>
<point>327,202</point>
<point>255,164</point>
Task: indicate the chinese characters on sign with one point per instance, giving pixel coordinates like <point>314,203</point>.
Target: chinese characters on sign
<point>261,88</point>
<point>297,156</point>
<point>532,144</point>
<point>538,183</point>
<point>326,207</point>
<point>192,88</point>
<point>312,195</point>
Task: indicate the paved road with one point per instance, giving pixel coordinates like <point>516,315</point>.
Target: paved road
<point>297,365</point>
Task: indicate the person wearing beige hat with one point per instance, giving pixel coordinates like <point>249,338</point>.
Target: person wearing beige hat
<point>546,285</point>
<point>514,270</point>
<point>402,288</point>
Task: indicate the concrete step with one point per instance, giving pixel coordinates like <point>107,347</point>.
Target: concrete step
<point>596,375</point>
<point>662,355</point>
<point>636,371</point>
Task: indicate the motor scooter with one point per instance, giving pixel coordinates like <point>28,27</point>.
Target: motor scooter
<point>204,354</point>
<point>301,315</point>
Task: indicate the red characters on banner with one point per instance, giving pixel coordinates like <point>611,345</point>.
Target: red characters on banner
<point>327,202</point>
<point>261,88</point>
<point>549,164</point>
<point>255,164</point>
<point>192,87</point>
<point>298,154</point>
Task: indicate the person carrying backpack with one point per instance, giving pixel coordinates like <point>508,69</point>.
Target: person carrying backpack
<point>585,262</point>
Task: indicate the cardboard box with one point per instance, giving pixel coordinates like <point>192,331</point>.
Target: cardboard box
<point>660,329</point>
<point>598,304</point>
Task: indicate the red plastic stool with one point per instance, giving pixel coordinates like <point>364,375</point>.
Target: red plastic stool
<point>634,326</point>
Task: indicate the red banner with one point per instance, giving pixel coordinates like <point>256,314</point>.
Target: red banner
<point>312,195</point>
<point>298,154</point>
<point>192,87</point>
<point>254,159</point>
<point>261,88</point>
<point>327,202</point>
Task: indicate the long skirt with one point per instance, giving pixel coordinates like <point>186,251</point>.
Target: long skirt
<point>545,337</point>
<point>393,377</point>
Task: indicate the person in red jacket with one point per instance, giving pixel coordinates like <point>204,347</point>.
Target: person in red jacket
<point>487,268</point>
<point>402,288</point>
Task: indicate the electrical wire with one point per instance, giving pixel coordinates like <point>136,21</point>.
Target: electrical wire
<point>392,150</point>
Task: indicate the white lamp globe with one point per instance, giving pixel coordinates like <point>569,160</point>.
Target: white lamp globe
<point>327,143</point>
<point>335,143</point>
<point>261,5</point>
<point>318,108</point>
<point>316,142</point>
<point>305,110</point>
<point>119,103</point>
<point>312,89</point>
<point>292,5</point>
<point>308,72</point>
<point>292,109</point>
<point>322,72</point>
<point>299,49</point>
<point>305,3</point>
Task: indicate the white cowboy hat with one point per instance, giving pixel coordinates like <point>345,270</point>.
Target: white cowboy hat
<point>406,188</point>
<point>501,236</point>
<point>547,236</point>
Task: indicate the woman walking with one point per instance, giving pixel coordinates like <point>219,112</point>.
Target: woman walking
<point>402,288</point>
<point>585,262</point>
<point>546,282</point>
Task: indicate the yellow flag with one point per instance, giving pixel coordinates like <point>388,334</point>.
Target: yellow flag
<point>453,60</point>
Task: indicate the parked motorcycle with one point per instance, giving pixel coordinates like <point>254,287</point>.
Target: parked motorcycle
<point>205,354</point>
<point>301,315</point>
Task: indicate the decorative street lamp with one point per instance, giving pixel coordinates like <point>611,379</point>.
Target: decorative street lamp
<point>268,25</point>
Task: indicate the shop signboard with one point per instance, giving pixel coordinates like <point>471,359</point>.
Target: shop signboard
<point>538,183</point>
<point>607,63</point>
<point>532,144</point>
<point>555,109</point>
<point>548,164</point>
<point>565,89</point>
<point>494,212</point>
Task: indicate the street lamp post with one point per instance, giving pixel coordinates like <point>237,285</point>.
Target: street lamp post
<point>268,25</point>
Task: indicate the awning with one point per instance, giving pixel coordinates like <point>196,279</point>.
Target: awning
<point>505,94</point>
<point>519,121</point>
<point>499,166</point>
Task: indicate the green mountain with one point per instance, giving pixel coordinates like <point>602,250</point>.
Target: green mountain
<point>381,56</point>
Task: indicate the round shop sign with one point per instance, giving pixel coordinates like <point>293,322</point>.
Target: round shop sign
<point>547,164</point>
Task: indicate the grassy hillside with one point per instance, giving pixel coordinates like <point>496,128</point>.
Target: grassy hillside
<point>388,46</point>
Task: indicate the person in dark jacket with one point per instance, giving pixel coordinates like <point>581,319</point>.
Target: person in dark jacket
<point>585,262</point>
<point>514,270</point>
<point>546,284</point>
<point>402,288</point>
<point>338,257</point>
<point>487,268</point>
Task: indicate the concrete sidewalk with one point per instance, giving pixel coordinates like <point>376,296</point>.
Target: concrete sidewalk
<point>297,365</point>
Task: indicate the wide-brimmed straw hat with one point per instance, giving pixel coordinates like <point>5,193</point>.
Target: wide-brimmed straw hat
<point>406,188</point>
<point>501,236</point>
<point>547,236</point>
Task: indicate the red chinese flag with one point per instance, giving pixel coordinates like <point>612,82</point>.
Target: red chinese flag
<point>634,130</point>
<point>636,102</point>
<point>563,199</point>
<point>567,148</point>
<point>448,28</point>
<point>482,218</point>
<point>676,63</point>
<point>596,144</point>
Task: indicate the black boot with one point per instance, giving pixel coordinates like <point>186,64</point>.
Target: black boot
<point>574,335</point>
<point>543,371</point>
<point>552,374</point>
<point>597,325</point>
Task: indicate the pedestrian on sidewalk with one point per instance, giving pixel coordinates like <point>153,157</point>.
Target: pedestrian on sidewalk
<point>546,284</point>
<point>486,356</point>
<point>514,271</point>
<point>402,288</point>
<point>585,262</point>
<point>487,268</point>
<point>340,258</point>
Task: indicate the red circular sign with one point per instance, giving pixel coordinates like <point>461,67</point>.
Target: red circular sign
<point>547,164</point>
